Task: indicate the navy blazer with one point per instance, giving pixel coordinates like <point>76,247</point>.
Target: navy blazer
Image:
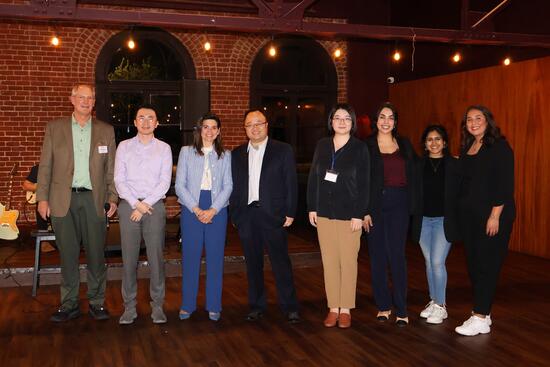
<point>278,183</point>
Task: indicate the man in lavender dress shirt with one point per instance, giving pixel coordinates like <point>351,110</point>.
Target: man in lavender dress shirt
<point>143,172</point>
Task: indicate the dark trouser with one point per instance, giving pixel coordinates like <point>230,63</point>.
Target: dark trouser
<point>195,236</point>
<point>81,224</point>
<point>151,228</point>
<point>484,256</point>
<point>254,234</point>
<point>386,241</point>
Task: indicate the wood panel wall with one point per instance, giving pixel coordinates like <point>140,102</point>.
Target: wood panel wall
<point>519,97</point>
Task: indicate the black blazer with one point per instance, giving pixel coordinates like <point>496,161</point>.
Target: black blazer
<point>278,183</point>
<point>348,197</point>
<point>492,182</point>
<point>450,224</point>
<point>377,173</point>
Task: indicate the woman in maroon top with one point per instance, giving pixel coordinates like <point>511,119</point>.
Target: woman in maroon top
<point>391,203</point>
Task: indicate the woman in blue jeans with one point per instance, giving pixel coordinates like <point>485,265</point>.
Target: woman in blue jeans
<point>203,186</point>
<point>434,223</point>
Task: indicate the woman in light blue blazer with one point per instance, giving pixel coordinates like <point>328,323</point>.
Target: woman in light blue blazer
<point>203,186</point>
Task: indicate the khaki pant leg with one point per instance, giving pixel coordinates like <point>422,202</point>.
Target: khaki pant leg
<point>328,241</point>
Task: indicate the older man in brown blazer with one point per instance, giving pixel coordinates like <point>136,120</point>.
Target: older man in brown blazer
<point>75,181</point>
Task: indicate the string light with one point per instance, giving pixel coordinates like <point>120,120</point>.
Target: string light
<point>54,41</point>
<point>207,46</point>
<point>457,57</point>
<point>396,55</point>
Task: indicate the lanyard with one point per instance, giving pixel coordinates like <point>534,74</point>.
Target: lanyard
<point>335,155</point>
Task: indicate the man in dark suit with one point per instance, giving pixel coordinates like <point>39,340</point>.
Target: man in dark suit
<point>263,205</point>
<point>75,181</point>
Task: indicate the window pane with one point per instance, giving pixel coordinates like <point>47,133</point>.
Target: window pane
<point>312,126</point>
<point>150,60</point>
<point>168,108</point>
<point>277,113</point>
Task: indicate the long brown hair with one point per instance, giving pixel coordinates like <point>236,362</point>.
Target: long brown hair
<point>197,138</point>
<point>492,133</point>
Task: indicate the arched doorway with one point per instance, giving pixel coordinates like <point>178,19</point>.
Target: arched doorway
<point>154,72</point>
<point>295,88</point>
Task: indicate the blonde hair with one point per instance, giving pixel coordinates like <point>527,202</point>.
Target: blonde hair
<point>78,85</point>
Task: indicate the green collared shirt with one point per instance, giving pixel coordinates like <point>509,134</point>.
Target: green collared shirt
<point>82,136</point>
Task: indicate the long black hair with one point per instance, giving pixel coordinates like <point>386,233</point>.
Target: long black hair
<point>440,129</point>
<point>197,138</point>
<point>492,133</point>
<point>373,125</point>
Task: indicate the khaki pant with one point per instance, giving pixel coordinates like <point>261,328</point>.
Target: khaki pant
<point>339,250</point>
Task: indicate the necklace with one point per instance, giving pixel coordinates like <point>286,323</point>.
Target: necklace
<point>435,166</point>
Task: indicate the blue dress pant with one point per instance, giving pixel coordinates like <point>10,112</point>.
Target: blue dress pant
<point>195,236</point>
<point>386,241</point>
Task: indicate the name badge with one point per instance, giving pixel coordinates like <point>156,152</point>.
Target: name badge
<point>102,149</point>
<point>331,175</point>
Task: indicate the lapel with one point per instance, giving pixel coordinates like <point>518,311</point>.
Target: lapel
<point>68,135</point>
<point>244,169</point>
<point>268,157</point>
<point>93,139</point>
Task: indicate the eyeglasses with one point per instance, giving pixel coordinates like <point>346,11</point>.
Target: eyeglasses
<point>345,119</point>
<point>252,126</point>
<point>142,119</point>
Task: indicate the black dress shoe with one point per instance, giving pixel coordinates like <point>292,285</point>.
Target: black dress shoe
<point>254,315</point>
<point>63,315</point>
<point>294,317</point>
<point>402,322</point>
<point>98,312</point>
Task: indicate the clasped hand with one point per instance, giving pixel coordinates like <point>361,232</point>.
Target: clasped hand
<point>204,216</point>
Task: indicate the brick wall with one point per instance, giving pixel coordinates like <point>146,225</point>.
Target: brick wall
<point>35,82</point>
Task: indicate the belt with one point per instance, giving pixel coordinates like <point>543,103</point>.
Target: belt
<point>79,189</point>
<point>254,204</point>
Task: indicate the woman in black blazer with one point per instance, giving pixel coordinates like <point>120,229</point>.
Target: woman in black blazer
<point>434,223</point>
<point>391,202</point>
<point>486,210</point>
<point>337,194</point>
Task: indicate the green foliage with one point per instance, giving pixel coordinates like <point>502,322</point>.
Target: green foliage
<point>134,71</point>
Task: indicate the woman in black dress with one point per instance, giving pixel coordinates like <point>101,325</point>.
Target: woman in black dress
<point>486,210</point>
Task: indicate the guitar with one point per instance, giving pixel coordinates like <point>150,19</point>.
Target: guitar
<point>8,218</point>
<point>30,196</point>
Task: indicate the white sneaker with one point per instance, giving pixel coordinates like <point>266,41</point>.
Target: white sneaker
<point>428,309</point>
<point>128,316</point>
<point>474,326</point>
<point>439,313</point>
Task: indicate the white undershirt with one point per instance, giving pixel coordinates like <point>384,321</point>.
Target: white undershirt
<point>255,159</point>
<point>206,183</point>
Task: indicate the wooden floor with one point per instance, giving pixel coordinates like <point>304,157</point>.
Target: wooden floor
<point>520,334</point>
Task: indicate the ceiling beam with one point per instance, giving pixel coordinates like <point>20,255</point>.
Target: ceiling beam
<point>308,26</point>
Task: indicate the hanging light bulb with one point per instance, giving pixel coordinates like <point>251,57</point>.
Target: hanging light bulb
<point>54,41</point>
<point>131,44</point>
<point>396,55</point>
<point>506,61</point>
<point>207,46</point>
<point>457,57</point>
<point>272,51</point>
<point>337,53</point>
